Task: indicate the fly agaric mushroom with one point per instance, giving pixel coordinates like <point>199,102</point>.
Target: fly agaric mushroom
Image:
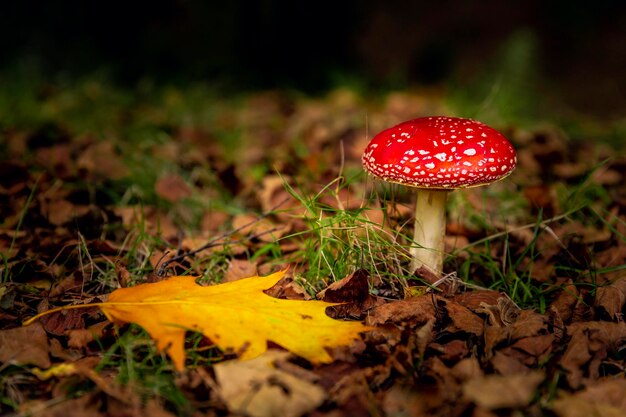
<point>436,155</point>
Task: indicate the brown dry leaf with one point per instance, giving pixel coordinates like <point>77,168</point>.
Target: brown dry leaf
<point>266,230</point>
<point>25,346</point>
<point>604,398</point>
<point>462,318</point>
<point>274,196</point>
<point>70,282</point>
<point>590,344</point>
<point>476,300</point>
<point>528,324</point>
<point>79,338</point>
<point>499,391</point>
<point>507,365</point>
<point>212,221</point>
<point>353,294</point>
<point>542,197</point>
<point>566,300</point>
<point>59,212</point>
<point>87,405</point>
<point>418,311</point>
<point>287,289</point>
<point>60,322</point>
<point>453,351</point>
<point>238,269</point>
<point>535,346</point>
<point>103,160</point>
<point>236,316</point>
<point>58,159</point>
<point>612,298</point>
<point>172,188</point>
<point>400,401</point>
<point>257,388</point>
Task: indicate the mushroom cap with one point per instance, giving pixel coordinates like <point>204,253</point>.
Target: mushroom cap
<point>440,152</point>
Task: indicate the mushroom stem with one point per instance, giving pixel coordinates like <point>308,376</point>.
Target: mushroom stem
<point>430,229</point>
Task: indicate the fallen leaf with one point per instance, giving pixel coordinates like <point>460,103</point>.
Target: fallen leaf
<point>462,319</point>
<point>417,311</point>
<point>507,365</point>
<point>80,338</point>
<point>353,292</point>
<point>612,298</point>
<point>590,344</point>
<point>236,316</point>
<point>172,188</point>
<point>264,229</point>
<point>499,391</point>
<point>399,401</point>
<point>59,323</point>
<point>287,289</point>
<point>25,345</point>
<point>257,388</point>
<point>238,269</point>
<point>102,160</point>
<point>604,398</point>
<point>452,351</point>
<point>566,300</point>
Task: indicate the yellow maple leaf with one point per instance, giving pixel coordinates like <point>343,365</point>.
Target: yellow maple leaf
<point>236,316</point>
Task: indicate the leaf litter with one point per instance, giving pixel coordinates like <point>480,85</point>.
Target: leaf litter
<point>78,223</point>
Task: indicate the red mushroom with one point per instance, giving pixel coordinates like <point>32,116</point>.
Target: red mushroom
<point>436,155</point>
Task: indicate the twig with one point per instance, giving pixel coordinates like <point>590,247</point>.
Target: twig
<point>216,241</point>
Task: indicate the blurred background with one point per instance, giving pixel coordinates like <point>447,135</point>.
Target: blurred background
<point>569,55</point>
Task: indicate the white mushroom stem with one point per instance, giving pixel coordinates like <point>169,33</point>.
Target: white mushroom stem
<point>430,229</point>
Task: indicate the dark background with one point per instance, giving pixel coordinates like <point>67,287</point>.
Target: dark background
<point>577,48</point>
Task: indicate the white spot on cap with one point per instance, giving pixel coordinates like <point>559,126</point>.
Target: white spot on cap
<point>441,156</point>
<point>470,151</point>
<point>430,165</point>
<point>423,152</point>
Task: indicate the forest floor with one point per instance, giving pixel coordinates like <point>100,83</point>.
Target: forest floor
<point>101,189</point>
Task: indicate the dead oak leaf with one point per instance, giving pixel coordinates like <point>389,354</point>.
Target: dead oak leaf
<point>236,316</point>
